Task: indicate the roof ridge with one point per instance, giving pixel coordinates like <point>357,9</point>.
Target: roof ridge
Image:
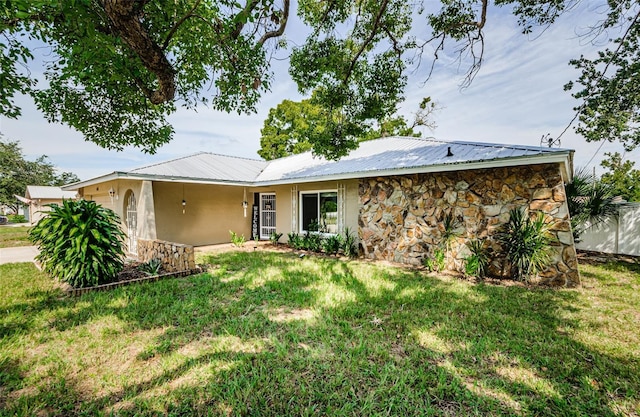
<point>232,156</point>
<point>191,156</point>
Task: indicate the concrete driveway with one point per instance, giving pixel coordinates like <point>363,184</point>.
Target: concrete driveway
<point>19,254</point>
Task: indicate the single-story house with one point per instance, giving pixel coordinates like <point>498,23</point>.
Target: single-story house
<point>37,198</point>
<point>393,192</point>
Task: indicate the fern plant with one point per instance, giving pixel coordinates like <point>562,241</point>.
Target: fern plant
<point>80,242</point>
<point>526,244</point>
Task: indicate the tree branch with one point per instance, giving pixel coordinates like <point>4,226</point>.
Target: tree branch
<point>283,24</point>
<point>179,23</point>
<point>367,41</point>
<point>125,18</point>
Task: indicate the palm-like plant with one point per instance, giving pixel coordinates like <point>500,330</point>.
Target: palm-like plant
<point>526,243</point>
<point>590,202</point>
<point>80,243</point>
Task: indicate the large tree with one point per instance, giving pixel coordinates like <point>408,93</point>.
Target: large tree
<point>118,68</point>
<point>294,127</point>
<point>16,173</point>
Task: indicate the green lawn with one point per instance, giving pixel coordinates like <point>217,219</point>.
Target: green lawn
<point>14,236</point>
<point>271,334</point>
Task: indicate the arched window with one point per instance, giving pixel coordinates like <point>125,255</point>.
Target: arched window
<point>132,222</point>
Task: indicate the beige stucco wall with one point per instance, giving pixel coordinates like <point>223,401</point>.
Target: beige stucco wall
<point>284,207</point>
<point>210,212</point>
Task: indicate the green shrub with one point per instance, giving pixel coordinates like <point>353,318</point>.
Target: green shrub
<point>295,240</point>
<point>312,242</point>
<point>476,264</point>
<point>237,240</point>
<point>153,267</point>
<point>450,232</point>
<point>526,244</point>
<point>80,243</point>
<point>17,218</point>
<point>332,244</point>
<point>350,243</point>
<point>275,237</point>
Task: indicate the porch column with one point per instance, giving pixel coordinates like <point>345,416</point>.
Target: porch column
<point>146,213</point>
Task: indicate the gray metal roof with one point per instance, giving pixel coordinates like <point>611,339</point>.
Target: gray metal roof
<point>400,154</point>
<point>385,156</point>
<point>35,192</point>
<point>206,166</point>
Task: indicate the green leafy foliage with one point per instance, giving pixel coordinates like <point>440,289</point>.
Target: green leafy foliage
<point>16,172</point>
<point>476,264</point>
<point>275,238</point>
<point>295,240</point>
<point>17,218</point>
<point>590,202</point>
<point>526,244</point>
<point>153,267</point>
<point>437,262</point>
<point>116,70</point>
<point>332,244</point>
<point>294,127</point>
<point>621,177</point>
<point>237,240</point>
<point>350,243</point>
<point>80,242</point>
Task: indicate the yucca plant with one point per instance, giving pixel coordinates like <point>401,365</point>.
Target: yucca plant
<point>476,264</point>
<point>526,244</point>
<point>80,242</point>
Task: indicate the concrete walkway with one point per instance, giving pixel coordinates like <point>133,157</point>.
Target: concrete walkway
<point>19,254</point>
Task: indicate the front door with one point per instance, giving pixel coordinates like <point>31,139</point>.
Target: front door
<point>267,215</point>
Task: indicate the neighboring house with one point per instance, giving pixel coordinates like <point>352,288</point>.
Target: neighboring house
<point>37,198</point>
<point>393,192</point>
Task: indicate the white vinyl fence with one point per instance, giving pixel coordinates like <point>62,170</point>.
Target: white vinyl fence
<point>618,236</point>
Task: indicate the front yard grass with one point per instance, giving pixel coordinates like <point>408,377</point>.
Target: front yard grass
<point>272,334</point>
<point>14,236</point>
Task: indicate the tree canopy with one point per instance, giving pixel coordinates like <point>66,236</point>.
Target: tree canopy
<point>118,68</point>
<point>16,173</point>
<point>294,127</point>
<point>621,177</point>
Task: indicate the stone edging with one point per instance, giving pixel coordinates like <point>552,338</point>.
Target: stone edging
<point>74,292</point>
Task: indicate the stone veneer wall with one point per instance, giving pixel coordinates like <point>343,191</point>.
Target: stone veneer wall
<point>400,217</point>
<point>175,257</point>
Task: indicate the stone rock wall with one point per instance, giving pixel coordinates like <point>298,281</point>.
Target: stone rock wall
<point>400,217</point>
<point>175,257</point>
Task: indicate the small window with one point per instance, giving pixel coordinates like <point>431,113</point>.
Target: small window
<point>319,211</point>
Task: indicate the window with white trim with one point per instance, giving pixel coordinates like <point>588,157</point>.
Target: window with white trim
<point>319,211</point>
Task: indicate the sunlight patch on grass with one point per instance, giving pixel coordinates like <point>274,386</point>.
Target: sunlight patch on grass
<point>207,345</point>
<point>332,295</point>
<point>412,293</point>
<point>429,340</point>
<point>502,397</point>
<point>374,283</point>
<point>528,377</point>
<point>285,315</point>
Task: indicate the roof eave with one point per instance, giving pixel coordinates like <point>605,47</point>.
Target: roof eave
<point>150,177</point>
<point>564,158</point>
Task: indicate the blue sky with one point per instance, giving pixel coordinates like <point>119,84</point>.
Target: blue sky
<point>516,98</point>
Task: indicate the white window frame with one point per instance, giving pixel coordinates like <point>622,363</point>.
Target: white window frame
<point>301,209</point>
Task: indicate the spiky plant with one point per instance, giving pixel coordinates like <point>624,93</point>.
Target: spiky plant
<point>476,264</point>
<point>80,242</point>
<point>526,244</point>
<point>590,202</point>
